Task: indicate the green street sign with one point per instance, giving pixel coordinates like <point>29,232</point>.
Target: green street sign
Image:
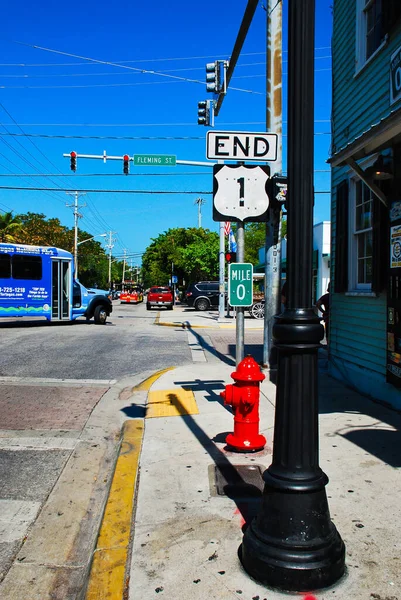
<point>155,160</point>
<point>240,284</point>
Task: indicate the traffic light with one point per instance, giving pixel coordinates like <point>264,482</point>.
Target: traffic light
<point>73,163</point>
<point>203,112</point>
<point>231,257</point>
<point>213,79</point>
<point>126,164</point>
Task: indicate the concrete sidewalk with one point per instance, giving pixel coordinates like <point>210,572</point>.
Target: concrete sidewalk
<point>184,316</point>
<point>186,536</point>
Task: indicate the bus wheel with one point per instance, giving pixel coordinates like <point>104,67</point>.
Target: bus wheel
<point>100,315</point>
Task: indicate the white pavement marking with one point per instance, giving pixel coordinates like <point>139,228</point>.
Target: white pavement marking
<point>48,380</point>
<point>15,518</point>
<point>197,352</point>
<point>36,443</point>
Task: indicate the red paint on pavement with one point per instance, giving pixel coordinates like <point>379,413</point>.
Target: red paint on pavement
<point>242,520</point>
<point>47,407</point>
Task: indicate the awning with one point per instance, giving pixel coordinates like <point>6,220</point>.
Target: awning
<point>373,140</point>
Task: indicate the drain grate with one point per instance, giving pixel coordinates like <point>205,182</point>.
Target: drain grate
<point>238,481</point>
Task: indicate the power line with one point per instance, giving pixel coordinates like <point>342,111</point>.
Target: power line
<point>120,66</point>
<point>43,189</point>
<point>106,174</point>
<point>142,60</point>
<point>122,175</point>
<point>148,192</point>
<point>32,142</point>
<point>114,74</point>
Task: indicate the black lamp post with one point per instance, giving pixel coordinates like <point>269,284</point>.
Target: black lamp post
<point>293,544</point>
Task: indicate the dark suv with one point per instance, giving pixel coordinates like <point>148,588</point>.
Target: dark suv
<point>203,295</point>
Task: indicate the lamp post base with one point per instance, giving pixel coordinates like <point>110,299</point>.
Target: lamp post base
<point>293,545</point>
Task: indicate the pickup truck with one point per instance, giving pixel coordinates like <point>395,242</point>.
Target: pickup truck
<point>91,302</point>
<point>159,296</point>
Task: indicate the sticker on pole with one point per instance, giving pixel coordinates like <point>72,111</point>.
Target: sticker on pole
<point>240,284</point>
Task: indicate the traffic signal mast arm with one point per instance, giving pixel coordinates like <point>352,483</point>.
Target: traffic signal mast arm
<point>246,21</point>
<point>105,157</point>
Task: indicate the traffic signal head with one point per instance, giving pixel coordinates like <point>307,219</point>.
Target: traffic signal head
<point>73,164</point>
<point>213,80</point>
<point>126,164</point>
<point>203,113</point>
<point>231,257</point>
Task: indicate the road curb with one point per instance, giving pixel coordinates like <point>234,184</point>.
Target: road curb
<point>108,577</point>
<point>107,574</point>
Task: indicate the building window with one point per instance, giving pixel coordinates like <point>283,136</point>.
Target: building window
<point>374,21</point>
<point>362,245</point>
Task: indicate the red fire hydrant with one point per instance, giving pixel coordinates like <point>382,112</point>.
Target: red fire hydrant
<point>243,396</point>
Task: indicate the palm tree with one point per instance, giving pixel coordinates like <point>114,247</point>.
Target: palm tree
<point>10,227</point>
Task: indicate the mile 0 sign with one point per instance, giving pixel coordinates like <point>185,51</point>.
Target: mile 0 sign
<point>240,192</point>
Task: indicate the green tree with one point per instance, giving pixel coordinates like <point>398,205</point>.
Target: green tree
<point>189,253</point>
<point>38,230</point>
<point>41,231</point>
<point>254,236</point>
<point>11,228</point>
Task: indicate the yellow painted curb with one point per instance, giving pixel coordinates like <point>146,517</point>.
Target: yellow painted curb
<point>147,383</point>
<point>107,577</point>
<point>171,403</point>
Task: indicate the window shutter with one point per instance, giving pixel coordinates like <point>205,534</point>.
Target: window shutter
<point>380,243</point>
<point>391,13</point>
<point>341,243</point>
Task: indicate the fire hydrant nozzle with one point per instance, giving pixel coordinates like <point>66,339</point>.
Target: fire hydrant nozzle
<point>243,396</point>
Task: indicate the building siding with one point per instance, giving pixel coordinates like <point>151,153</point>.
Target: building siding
<point>358,337</point>
<point>362,99</point>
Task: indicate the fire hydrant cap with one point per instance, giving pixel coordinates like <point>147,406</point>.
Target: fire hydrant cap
<point>248,370</point>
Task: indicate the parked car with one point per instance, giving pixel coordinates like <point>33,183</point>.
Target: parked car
<point>203,295</point>
<point>159,296</point>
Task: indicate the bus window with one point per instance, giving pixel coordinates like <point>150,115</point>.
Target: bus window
<point>76,295</point>
<point>27,267</point>
<point>5,266</point>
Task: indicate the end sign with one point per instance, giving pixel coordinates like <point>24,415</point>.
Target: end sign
<point>240,284</point>
<point>241,146</point>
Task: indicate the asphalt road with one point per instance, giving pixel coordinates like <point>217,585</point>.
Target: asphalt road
<point>126,345</point>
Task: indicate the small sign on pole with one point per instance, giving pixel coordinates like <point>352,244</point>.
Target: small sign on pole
<point>240,284</point>
<point>155,160</point>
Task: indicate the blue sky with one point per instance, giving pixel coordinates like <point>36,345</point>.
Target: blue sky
<point>57,103</point>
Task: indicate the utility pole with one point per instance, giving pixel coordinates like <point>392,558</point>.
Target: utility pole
<point>123,279</point>
<point>222,291</point>
<point>199,202</point>
<point>77,216</point>
<point>273,123</point>
<point>110,246</point>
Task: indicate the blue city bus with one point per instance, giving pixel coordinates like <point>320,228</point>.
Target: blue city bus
<point>38,281</point>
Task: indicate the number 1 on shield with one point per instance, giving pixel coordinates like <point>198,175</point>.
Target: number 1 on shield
<point>241,182</point>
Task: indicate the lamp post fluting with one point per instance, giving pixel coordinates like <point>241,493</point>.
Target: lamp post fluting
<point>293,544</point>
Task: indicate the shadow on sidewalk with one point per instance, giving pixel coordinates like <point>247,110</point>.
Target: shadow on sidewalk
<point>208,386</point>
<point>204,344</point>
<point>380,436</point>
<point>248,506</point>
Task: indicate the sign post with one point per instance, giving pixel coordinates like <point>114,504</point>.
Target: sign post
<point>240,194</point>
